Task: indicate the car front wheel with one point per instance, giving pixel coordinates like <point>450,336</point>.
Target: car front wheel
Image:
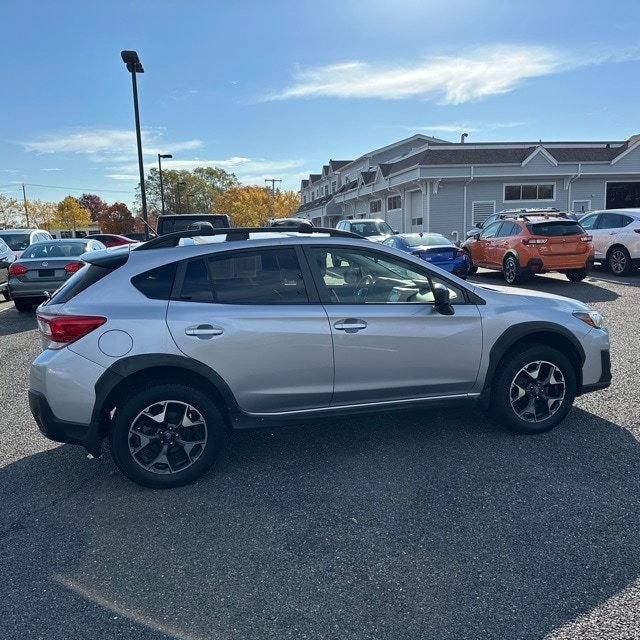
<point>511,270</point>
<point>534,388</point>
<point>471,269</point>
<point>166,436</point>
<point>619,261</point>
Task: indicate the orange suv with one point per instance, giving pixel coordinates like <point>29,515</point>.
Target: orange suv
<point>523,244</point>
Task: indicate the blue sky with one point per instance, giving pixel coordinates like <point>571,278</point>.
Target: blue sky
<point>274,90</point>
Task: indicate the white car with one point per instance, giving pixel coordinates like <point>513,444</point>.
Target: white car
<point>616,238</point>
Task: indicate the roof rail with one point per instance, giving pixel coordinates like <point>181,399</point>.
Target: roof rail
<point>237,233</point>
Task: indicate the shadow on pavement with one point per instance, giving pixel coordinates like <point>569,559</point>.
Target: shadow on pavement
<point>424,525</point>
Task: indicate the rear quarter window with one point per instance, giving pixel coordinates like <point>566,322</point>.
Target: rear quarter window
<point>157,283</point>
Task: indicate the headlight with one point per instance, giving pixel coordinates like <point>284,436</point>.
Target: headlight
<point>592,318</point>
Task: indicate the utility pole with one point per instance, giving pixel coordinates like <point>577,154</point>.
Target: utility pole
<point>273,194</point>
<point>26,211</point>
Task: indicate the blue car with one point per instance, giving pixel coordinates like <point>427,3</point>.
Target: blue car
<point>433,248</point>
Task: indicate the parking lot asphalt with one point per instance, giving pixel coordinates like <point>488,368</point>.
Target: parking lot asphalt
<point>434,524</point>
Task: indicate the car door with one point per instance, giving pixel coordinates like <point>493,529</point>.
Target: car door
<point>390,342</point>
<point>250,318</point>
<point>486,246</point>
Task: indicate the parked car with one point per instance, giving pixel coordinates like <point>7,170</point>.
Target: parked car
<point>521,245</point>
<point>19,239</point>
<point>290,222</point>
<point>165,346</point>
<point>434,248</point>
<point>6,259</point>
<point>111,239</point>
<point>138,237</point>
<point>45,266</point>
<point>170,223</point>
<point>372,229</point>
<point>510,212</point>
<point>616,238</point>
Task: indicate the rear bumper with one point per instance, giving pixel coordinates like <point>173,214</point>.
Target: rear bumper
<point>86,435</point>
<point>537,265</point>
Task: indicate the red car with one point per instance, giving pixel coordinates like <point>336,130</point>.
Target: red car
<point>111,239</point>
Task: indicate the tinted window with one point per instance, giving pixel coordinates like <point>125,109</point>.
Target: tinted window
<point>508,229</point>
<point>611,221</point>
<point>491,231</point>
<point>270,276</point>
<point>555,228</point>
<point>17,241</point>
<point>157,283</point>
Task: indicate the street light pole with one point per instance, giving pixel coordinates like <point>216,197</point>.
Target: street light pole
<point>180,184</point>
<point>134,66</point>
<point>166,155</point>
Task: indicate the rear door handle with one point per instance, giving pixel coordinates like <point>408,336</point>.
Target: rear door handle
<point>203,331</point>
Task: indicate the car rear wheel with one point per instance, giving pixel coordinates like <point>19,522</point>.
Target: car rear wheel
<point>166,436</point>
<point>471,269</point>
<point>534,389</point>
<point>511,270</point>
<point>619,261</point>
<point>22,306</point>
<point>6,295</point>
<point>576,275</point>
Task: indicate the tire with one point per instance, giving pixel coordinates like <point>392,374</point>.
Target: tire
<point>511,270</point>
<point>619,261</point>
<point>165,436</point>
<point>471,269</point>
<point>22,306</point>
<point>6,295</point>
<point>533,389</point>
<point>576,275</point>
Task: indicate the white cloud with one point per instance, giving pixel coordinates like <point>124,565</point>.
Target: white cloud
<point>457,79</point>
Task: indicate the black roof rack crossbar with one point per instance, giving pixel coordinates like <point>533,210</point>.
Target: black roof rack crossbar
<point>237,233</point>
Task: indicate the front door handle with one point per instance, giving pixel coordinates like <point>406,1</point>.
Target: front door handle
<point>350,325</point>
<point>203,331</point>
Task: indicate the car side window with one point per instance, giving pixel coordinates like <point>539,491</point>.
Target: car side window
<point>508,229</point>
<point>589,222</point>
<point>361,277</point>
<point>491,231</point>
<point>610,221</point>
<point>263,277</point>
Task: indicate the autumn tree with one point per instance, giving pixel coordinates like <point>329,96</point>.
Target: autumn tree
<point>70,215</point>
<point>285,203</point>
<point>247,206</point>
<point>92,203</point>
<point>10,212</point>
<point>116,219</point>
<point>42,214</point>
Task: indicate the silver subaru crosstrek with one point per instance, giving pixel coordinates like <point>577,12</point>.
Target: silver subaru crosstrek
<point>166,346</point>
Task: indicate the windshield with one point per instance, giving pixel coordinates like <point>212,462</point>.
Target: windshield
<point>16,241</point>
<point>372,228</point>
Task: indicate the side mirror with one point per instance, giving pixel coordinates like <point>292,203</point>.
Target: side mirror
<point>395,231</point>
<point>441,299</point>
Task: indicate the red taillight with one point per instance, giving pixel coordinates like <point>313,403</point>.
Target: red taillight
<point>17,270</point>
<point>460,253</point>
<point>72,267</point>
<point>67,329</point>
<point>636,230</point>
<point>527,242</point>
<point>586,238</point>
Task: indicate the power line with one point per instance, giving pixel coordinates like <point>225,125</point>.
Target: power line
<point>16,187</point>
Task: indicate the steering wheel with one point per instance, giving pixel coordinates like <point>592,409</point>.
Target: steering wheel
<point>362,288</point>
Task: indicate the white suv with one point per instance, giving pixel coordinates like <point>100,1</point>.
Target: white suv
<point>616,238</point>
<point>19,239</point>
<point>371,229</point>
<point>164,346</point>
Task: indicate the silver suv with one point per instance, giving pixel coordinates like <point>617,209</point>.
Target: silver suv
<point>165,346</point>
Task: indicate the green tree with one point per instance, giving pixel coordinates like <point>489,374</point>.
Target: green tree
<point>185,191</point>
<point>70,215</point>
<point>116,219</point>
